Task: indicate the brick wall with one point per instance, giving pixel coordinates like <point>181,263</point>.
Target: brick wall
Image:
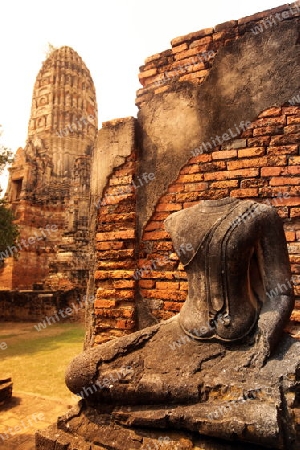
<point>114,307</point>
<point>136,260</point>
<point>191,56</point>
<point>262,164</point>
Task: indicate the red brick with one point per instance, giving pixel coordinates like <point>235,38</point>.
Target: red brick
<point>125,324</point>
<point>180,48</point>
<point>191,36</point>
<point>123,284</point>
<point>290,236</point>
<point>169,206</point>
<point>172,306</point>
<point>295,190</point>
<point>283,150</point>
<point>294,259</point>
<point>224,175</point>
<point>147,73</point>
<point>250,152</point>
<point>271,112</point>
<point>225,35</point>
<point>117,254</point>
<point>191,52</point>
<point>259,141</point>
<point>201,42</point>
<point>192,76</point>
<point>224,154</point>
<point>285,139</point>
<point>104,303</point>
<point>128,313</point>
<point>188,197</point>
<point>192,168</point>
<point>294,247</point>
<point>250,192</point>
<point>190,178</point>
<point>282,181</point>
<point>112,265</point>
<point>153,225</point>
<point>114,235</point>
<point>262,15</point>
<point>147,284</point>
<point>257,162</point>
<point>109,245</point>
<point>195,187</point>
<point>164,294</point>
<point>289,201</point>
<point>224,184</point>
<point>290,110</point>
<point>160,216</point>
<point>294,160</point>
<point>116,181</point>
<point>155,235</point>
<point>276,171</point>
<point>291,170</point>
<point>270,122</point>
<point>168,198</point>
<point>291,120</point>
<point>176,188</point>
<point>292,129</point>
<point>270,171</point>
<point>163,246</point>
<point>269,130</point>
<point>107,274</point>
<point>115,294</point>
<point>161,89</point>
<point>283,212</point>
<point>201,158</point>
<point>167,285</point>
<point>253,182</point>
<point>294,212</point>
<point>226,25</point>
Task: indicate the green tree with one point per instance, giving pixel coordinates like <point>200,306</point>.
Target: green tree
<point>8,230</point>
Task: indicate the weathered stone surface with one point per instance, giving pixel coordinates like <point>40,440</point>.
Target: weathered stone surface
<point>159,378</point>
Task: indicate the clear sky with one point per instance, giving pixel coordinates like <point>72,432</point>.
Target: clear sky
<point>113,37</point>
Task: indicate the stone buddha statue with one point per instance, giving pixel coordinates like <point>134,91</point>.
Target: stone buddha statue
<point>215,354</point>
<point>235,254</point>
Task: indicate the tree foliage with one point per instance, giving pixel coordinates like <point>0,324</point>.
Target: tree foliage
<point>8,230</point>
<point>6,155</point>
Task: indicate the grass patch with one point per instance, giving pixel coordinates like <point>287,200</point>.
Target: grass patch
<point>37,360</point>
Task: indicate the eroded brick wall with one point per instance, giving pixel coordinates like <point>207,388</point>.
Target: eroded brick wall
<point>137,264</point>
<point>191,57</point>
<point>114,306</point>
<point>262,164</point>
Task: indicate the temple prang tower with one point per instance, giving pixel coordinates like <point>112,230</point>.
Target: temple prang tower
<point>49,181</point>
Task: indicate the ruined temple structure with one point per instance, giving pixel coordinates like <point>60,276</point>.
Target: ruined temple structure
<point>49,188</point>
<point>218,126</point>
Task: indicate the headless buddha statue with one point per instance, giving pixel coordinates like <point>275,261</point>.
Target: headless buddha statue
<point>233,252</point>
<point>239,295</point>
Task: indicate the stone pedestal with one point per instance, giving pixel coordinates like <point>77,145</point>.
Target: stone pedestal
<point>159,383</point>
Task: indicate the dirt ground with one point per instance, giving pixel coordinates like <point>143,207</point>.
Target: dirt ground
<point>27,411</point>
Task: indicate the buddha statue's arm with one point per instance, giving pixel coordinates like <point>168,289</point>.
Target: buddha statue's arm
<point>279,299</point>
